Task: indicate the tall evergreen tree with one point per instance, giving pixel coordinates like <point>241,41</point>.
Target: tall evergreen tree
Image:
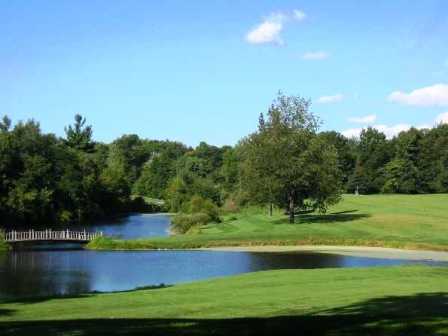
<point>79,136</point>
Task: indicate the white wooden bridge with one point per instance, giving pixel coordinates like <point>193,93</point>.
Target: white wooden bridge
<point>50,235</point>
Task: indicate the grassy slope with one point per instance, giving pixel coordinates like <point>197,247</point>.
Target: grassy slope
<point>409,300</point>
<point>3,245</point>
<point>406,221</point>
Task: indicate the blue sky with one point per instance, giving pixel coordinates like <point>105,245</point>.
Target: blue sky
<point>204,70</point>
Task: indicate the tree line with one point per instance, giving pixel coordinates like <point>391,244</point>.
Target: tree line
<point>287,162</point>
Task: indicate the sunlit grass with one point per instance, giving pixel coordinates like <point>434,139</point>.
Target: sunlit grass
<point>404,221</point>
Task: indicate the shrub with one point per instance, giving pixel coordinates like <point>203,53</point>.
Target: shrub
<point>182,223</point>
<point>197,204</point>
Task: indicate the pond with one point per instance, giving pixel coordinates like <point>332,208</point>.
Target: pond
<point>75,271</point>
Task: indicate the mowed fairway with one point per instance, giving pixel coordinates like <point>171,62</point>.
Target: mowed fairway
<point>408,300</point>
<point>404,221</point>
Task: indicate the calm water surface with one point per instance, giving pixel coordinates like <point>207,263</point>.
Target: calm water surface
<point>135,226</point>
<point>51,272</point>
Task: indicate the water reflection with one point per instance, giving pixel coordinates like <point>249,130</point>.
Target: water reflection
<point>25,273</point>
<point>135,226</point>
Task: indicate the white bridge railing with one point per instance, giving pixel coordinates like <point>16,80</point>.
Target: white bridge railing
<point>46,235</point>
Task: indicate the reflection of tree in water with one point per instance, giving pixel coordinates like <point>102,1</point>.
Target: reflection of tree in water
<point>31,273</point>
<point>293,260</point>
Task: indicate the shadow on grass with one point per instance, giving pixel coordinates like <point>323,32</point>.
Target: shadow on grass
<point>39,299</point>
<point>6,312</point>
<point>334,217</point>
<point>422,314</point>
<point>331,218</point>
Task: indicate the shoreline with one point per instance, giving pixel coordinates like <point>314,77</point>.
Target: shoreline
<point>354,251</point>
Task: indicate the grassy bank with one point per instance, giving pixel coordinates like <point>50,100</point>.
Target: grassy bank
<point>408,300</point>
<point>401,221</point>
<point>3,245</point>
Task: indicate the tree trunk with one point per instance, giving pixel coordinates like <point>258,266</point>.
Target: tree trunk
<point>291,209</point>
<point>270,209</point>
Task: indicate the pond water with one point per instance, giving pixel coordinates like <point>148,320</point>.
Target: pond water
<point>135,226</point>
<point>75,271</point>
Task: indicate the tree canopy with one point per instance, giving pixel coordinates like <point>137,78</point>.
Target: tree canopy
<point>286,162</point>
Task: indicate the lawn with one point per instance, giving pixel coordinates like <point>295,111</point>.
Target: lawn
<point>406,300</point>
<point>403,221</point>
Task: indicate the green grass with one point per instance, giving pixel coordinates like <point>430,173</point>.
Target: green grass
<point>3,245</point>
<point>402,221</point>
<point>406,300</point>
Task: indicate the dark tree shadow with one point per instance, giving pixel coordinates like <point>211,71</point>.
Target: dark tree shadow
<point>6,312</point>
<point>422,314</point>
<point>39,299</point>
<point>310,217</point>
<point>333,217</point>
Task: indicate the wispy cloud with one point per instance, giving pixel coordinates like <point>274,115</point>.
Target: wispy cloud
<point>270,29</point>
<point>330,99</point>
<point>389,131</point>
<point>352,132</point>
<point>315,55</point>
<point>394,130</point>
<point>435,95</point>
<point>442,118</point>
<point>266,32</point>
<point>363,120</point>
<point>299,15</point>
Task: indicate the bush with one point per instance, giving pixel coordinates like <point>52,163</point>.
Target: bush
<point>197,204</point>
<point>182,223</point>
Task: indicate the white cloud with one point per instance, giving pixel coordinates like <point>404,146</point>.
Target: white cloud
<point>391,131</point>
<point>394,130</point>
<point>435,95</point>
<point>442,118</point>
<point>352,132</point>
<point>315,55</point>
<point>366,119</point>
<point>330,99</point>
<point>270,29</point>
<point>266,32</point>
<point>299,15</point>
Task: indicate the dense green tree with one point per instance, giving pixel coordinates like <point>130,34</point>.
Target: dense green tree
<point>229,171</point>
<point>401,174</point>
<point>433,160</point>
<point>373,153</point>
<point>303,169</point>
<point>346,151</point>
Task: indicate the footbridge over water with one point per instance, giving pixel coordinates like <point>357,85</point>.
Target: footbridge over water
<point>51,235</point>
